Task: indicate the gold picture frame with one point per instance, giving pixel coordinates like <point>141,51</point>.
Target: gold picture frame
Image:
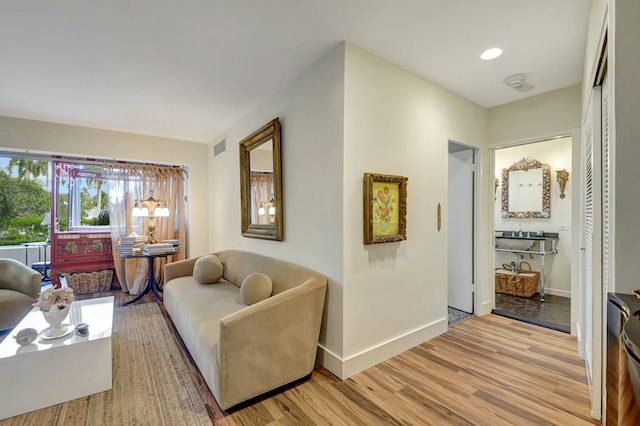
<point>385,208</point>
<point>265,140</point>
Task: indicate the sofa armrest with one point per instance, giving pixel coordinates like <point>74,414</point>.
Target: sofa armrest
<point>19,277</point>
<point>270,343</point>
<point>181,268</point>
<point>33,285</point>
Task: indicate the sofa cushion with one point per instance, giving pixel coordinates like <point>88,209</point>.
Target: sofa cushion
<point>207,269</point>
<point>196,310</point>
<point>255,287</point>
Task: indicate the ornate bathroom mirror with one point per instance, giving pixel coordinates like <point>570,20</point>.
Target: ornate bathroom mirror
<point>526,190</point>
<point>261,183</point>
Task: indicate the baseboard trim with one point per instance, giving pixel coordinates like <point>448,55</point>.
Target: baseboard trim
<point>485,308</point>
<point>347,367</point>
<point>556,292</point>
<point>329,360</point>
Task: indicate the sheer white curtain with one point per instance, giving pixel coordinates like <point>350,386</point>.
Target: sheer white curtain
<point>136,182</point>
<point>261,193</point>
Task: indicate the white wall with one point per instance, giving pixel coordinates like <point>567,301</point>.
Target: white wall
<point>395,294</point>
<point>41,137</point>
<point>310,109</point>
<point>558,266</point>
<point>548,114</point>
<point>626,146</point>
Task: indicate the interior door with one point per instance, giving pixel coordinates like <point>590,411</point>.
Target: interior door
<point>460,263</point>
<point>592,245</point>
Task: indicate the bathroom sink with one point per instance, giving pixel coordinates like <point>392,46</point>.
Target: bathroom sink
<point>514,243</point>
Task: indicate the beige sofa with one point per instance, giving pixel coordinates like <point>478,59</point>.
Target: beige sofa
<point>19,289</point>
<point>244,350</point>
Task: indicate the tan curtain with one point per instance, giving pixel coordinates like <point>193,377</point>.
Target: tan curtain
<point>261,193</point>
<point>137,182</point>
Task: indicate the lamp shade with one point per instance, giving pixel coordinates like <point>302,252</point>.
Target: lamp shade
<point>161,211</point>
<point>137,211</point>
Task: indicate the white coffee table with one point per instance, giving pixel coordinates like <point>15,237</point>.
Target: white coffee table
<point>52,371</point>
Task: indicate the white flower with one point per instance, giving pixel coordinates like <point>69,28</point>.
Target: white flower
<point>60,297</point>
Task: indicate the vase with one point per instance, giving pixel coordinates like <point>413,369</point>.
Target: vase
<point>55,316</point>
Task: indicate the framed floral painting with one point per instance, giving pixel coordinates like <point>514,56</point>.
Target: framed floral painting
<point>385,208</point>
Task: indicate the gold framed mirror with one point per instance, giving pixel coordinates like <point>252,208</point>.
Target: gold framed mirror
<point>261,183</point>
<point>526,190</point>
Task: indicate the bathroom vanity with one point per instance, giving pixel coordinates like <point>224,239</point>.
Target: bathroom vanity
<point>531,243</point>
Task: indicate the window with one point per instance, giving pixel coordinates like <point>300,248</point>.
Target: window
<point>25,199</point>
<point>80,197</point>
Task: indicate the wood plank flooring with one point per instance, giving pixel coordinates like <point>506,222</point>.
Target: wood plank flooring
<point>486,370</point>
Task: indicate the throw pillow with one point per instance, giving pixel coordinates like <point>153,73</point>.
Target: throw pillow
<point>255,287</point>
<point>208,269</point>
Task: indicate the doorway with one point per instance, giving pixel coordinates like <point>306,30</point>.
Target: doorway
<point>460,234</point>
<point>543,298</point>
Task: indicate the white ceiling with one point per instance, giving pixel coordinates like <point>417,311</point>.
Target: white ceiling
<point>188,69</point>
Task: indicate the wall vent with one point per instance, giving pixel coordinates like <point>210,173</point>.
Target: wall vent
<point>220,147</point>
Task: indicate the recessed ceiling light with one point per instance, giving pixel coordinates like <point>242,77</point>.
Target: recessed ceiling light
<point>491,53</point>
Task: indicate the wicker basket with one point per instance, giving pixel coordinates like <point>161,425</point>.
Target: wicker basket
<point>523,283</point>
<point>90,282</point>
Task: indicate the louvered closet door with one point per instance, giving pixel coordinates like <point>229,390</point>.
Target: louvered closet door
<point>607,231</point>
<point>606,222</point>
<point>588,237</point>
<point>592,288</point>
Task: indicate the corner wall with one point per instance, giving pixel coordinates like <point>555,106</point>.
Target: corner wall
<point>347,114</point>
<point>395,294</point>
<point>311,115</point>
<point>51,138</point>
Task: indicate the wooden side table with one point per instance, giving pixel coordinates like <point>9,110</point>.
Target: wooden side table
<point>151,284</point>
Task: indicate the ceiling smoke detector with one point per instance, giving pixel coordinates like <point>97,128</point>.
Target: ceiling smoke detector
<point>518,82</point>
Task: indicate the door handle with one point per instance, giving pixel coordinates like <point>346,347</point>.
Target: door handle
<point>439,217</point>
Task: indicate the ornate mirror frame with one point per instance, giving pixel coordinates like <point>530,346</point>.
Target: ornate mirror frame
<point>525,165</point>
<point>272,231</point>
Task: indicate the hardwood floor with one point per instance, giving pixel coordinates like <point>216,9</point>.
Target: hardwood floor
<point>486,370</point>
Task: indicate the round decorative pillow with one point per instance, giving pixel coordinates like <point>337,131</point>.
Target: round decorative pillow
<point>255,287</point>
<point>207,269</point>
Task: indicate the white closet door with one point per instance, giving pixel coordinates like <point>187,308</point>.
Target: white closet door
<point>607,225</point>
<point>592,270</point>
<point>460,231</point>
